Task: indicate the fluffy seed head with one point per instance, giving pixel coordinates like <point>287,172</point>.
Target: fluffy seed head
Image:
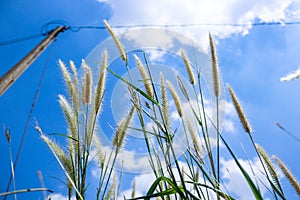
<point>269,164</point>
<point>133,190</point>
<point>68,79</point>
<point>175,97</point>
<point>288,175</point>
<point>164,99</point>
<point>188,67</point>
<point>144,76</point>
<point>215,67</point>
<point>239,110</point>
<point>87,84</point>
<point>101,82</point>
<point>116,40</point>
<point>122,129</point>
<point>7,134</point>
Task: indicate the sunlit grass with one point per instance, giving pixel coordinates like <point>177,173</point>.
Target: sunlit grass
<point>199,179</point>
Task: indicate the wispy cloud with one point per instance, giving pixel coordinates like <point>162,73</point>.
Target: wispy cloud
<point>234,182</point>
<point>291,76</point>
<point>159,12</point>
<point>59,196</point>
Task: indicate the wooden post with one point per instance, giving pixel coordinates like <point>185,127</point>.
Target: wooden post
<point>15,72</point>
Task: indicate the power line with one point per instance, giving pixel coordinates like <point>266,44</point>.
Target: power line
<point>46,27</point>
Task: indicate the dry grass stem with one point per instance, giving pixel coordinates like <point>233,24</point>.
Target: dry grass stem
<point>239,110</point>
<point>288,175</point>
<point>116,40</point>
<point>215,67</point>
<point>188,67</point>
<point>144,76</point>
<point>175,97</point>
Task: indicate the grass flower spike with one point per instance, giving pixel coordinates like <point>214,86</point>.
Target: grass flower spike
<point>144,76</point>
<point>215,67</point>
<point>288,175</point>
<point>188,67</point>
<point>117,41</point>
<point>239,110</point>
<point>175,97</point>
<point>87,84</point>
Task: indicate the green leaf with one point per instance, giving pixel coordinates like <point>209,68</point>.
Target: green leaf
<point>134,87</point>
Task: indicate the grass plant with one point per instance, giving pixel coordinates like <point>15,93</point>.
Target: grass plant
<point>199,178</point>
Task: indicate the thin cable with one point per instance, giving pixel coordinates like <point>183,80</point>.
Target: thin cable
<point>30,37</point>
<point>30,115</point>
<point>77,28</point>
<point>44,31</point>
<point>45,28</point>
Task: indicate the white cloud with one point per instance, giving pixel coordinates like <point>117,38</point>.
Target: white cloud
<point>142,182</point>
<point>234,181</point>
<point>60,197</point>
<point>163,12</point>
<point>291,76</point>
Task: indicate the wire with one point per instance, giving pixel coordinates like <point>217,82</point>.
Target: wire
<point>30,115</point>
<point>45,29</point>
<point>30,37</point>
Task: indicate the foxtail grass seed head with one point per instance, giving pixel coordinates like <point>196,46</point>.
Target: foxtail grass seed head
<point>164,99</point>
<point>144,76</point>
<point>239,110</point>
<point>66,162</point>
<point>188,67</point>
<point>7,134</point>
<point>98,147</point>
<point>67,78</point>
<point>288,175</point>
<point>87,84</point>
<point>119,133</point>
<point>73,68</point>
<point>197,176</point>
<point>133,190</point>
<point>122,129</point>
<point>182,88</point>
<point>215,67</point>
<point>175,97</point>
<point>194,137</point>
<point>101,82</point>
<point>69,114</point>
<point>75,97</point>
<point>116,40</point>
<point>269,164</point>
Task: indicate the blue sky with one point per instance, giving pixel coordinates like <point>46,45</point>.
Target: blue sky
<point>252,59</point>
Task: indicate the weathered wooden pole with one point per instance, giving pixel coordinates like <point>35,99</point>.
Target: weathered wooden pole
<point>15,72</point>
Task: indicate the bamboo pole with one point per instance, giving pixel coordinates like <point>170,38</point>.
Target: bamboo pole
<point>15,72</point>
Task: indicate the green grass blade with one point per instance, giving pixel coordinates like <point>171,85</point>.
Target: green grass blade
<point>173,190</point>
<point>254,189</point>
<point>134,87</point>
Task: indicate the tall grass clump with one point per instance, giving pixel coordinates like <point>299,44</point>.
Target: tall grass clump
<point>177,156</point>
<point>82,109</point>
